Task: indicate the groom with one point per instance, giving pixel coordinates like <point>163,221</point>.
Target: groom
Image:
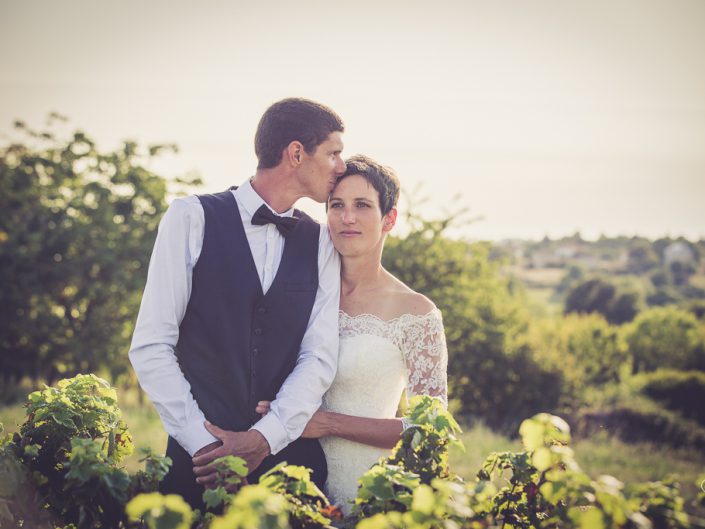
<point>241,305</point>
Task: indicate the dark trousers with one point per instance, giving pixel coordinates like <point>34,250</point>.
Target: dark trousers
<point>182,481</point>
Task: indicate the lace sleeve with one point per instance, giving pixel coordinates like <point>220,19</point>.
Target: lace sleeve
<point>426,356</point>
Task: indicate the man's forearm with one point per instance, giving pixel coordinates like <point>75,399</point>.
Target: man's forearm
<point>164,383</point>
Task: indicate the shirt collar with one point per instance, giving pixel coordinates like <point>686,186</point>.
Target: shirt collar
<point>251,201</point>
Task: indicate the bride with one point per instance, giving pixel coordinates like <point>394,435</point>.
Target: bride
<point>391,338</point>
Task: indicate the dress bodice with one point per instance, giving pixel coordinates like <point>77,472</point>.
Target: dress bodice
<point>377,360</point>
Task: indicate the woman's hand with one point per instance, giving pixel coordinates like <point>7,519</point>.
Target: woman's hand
<point>263,407</point>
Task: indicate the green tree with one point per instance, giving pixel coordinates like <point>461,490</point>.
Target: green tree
<point>586,349</point>
<point>76,232</point>
<point>642,257</point>
<point>665,337</point>
<point>601,296</point>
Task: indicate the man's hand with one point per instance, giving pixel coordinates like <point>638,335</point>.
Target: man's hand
<point>250,446</point>
<point>208,448</point>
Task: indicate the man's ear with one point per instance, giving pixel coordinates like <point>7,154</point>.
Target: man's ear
<point>390,219</point>
<point>294,153</point>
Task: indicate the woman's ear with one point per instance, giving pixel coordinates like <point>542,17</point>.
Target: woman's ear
<point>389,220</point>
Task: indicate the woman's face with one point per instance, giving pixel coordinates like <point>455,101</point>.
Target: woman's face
<point>355,221</point>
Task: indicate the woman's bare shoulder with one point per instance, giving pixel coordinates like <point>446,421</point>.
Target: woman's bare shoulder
<point>408,301</point>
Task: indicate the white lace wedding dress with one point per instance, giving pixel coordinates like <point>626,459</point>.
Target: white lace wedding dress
<point>379,359</point>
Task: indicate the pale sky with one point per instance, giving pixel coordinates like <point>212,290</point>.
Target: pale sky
<point>547,117</point>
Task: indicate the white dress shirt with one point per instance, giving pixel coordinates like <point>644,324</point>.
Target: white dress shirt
<point>166,295</point>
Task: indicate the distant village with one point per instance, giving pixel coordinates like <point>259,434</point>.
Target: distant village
<point>638,271</point>
<point>614,255</point>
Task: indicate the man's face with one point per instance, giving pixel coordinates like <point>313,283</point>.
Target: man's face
<point>319,171</point>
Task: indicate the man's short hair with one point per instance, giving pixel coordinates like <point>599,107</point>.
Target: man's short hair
<point>293,119</point>
<point>381,177</point>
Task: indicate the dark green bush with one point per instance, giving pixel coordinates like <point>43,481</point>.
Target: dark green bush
<point>639,421</point>
<point>680,391</point>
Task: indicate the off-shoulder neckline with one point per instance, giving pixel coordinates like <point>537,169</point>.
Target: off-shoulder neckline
<point>433,311</point>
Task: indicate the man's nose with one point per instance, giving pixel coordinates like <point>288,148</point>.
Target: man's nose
<point>340,167</point>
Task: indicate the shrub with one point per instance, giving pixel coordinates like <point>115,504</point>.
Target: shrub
<point>62,467</point>
<point>680,391</point>
<point>584,349</point>
<point>640,420</point>
<point>601,296</point>
<point>665,337</point>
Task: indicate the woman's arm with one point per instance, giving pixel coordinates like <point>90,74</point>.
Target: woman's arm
<point>383,433</point>
<point>426,357</point>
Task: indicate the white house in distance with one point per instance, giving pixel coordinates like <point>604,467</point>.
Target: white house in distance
<point>678,252</point>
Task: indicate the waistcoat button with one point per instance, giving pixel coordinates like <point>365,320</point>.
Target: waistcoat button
<point>258,331</point>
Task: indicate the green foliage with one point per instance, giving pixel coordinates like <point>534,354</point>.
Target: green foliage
<point>304,499</point>
<point>680,391</point>
<point>63,464</point>
<point>543,487</point>
<point>601,296</point>
<point>585,349</point>
<point>638,420</point>
<point>641,257</point>
<point>76,231</point>
<point>420,456</point>
<point>84,406</point>
<point>665,337</point>
<point>160,511</point>
<point>423,448</point>
<point>93,480</point>
<point>255,507</point>
<point>540,487</point>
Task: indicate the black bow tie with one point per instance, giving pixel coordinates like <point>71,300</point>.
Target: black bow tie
<point>264,215</point>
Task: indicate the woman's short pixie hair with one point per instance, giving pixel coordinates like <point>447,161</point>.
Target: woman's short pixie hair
<point>381,177</point>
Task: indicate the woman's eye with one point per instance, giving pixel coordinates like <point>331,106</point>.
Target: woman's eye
<point>335,205</point>
<point>363,205</point>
